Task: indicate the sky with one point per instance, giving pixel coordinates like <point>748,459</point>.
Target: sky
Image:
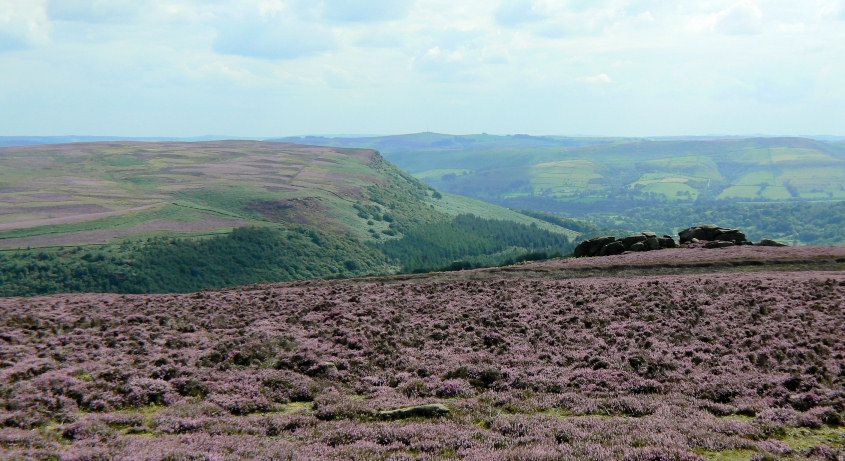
<point>263,68</point>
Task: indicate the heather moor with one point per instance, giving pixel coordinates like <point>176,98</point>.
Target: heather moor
<point>541,361</point>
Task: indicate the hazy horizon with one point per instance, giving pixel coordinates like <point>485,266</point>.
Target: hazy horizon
<point>191,137</point>
<point>277,68</point>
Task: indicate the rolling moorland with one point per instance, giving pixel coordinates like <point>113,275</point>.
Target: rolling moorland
<point>786,188</point>
<point>179,216</point>
<point>679,354</point>
<point>12,141</point>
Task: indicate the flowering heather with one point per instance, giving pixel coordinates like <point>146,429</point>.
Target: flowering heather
<point>682,367</point>
<point>698,254</point>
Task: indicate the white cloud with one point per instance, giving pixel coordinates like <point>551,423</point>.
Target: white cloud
<point>555,19</point>
<point>95,10</point>
<point>442,62</point>
<point>384,37</point>
<point>600,78</point>
<point>495,54</point>
<point>23,24</point>
<point>460,55</point>
<point>798,27</point>
<point>740,19</point>
<point>831,9</point>
<point>514,12</point>
<point>382,66</point>
<point>272,31</point>
<point>220,73</point>
<point>340,79</point>
<point>366,10</point>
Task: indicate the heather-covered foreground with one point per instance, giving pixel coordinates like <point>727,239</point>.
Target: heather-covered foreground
<point>713,366</point>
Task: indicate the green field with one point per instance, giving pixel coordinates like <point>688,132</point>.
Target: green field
<point>577,176</point>
<point>440,173</point>
<point>802,223</point>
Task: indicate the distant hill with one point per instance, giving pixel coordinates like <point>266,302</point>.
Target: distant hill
<point>666,184</point>
<point>13,141</point>
<point>299,211</point>
<point>533,172</point>
<point>437,141</point>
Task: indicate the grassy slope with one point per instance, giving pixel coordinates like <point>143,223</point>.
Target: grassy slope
<point>317,212</point>
<point>259,183</point>
<point>452,204</point>
<point>72,190</point>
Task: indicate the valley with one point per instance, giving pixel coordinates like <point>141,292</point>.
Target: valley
<point>636,183</point>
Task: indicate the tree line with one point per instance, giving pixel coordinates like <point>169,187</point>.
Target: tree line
<point>263,254</point>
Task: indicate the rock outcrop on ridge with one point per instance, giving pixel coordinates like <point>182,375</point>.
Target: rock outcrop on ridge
<point>603,246</point>
<point>712,233</point>
<point>714,236</point>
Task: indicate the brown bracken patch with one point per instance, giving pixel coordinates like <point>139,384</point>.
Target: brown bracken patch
<point>305,210</point>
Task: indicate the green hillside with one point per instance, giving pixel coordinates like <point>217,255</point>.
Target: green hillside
<point>630,182</point>
<point>146,214</point>
<point>533,172</point>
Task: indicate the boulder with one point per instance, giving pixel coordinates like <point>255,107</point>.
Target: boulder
<point>614,248</point>
<point>667,242</point>
<point>632,239</point>
<point>696,232</point>
<point>770,243</point>
<point>713,236</point>
<point>592,247</point>
<point>729,235</point>
<point>323,369</point>
<point>709,232</point>
<point>718,244</point>
<point>422,411</point>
